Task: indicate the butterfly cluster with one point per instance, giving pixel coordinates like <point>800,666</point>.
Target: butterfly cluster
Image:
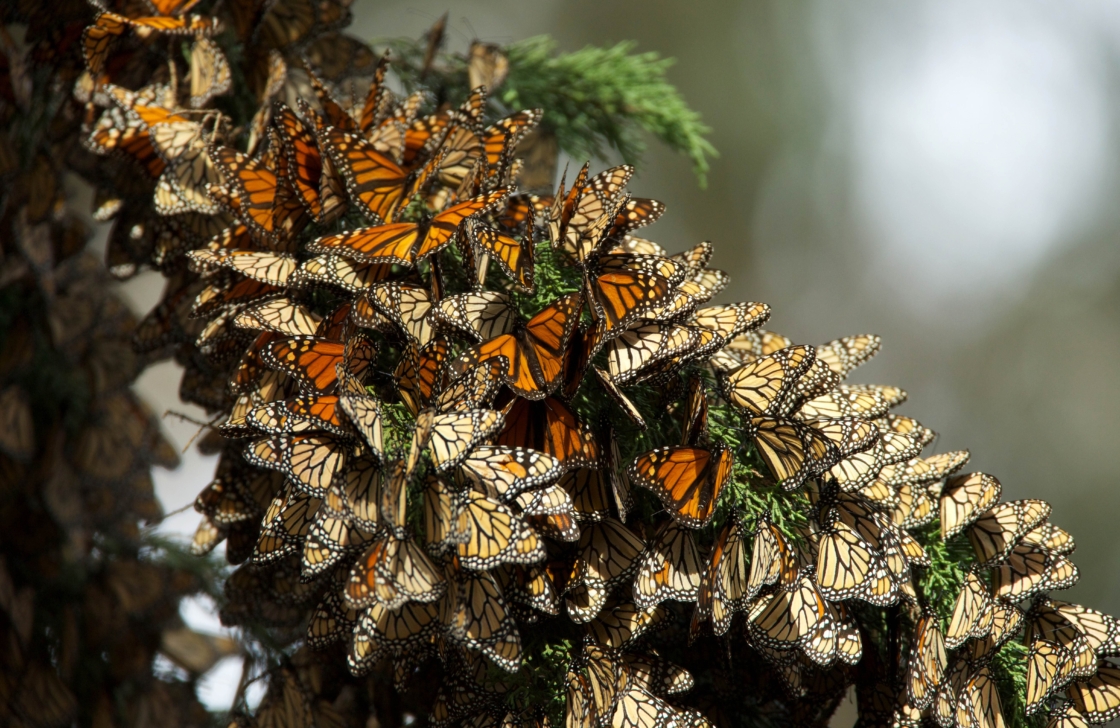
<point>486,456</point>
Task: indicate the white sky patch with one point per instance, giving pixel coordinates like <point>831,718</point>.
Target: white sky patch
<point>979,137</point>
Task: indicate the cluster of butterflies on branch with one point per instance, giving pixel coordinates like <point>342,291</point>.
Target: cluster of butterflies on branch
<point>459,423</point>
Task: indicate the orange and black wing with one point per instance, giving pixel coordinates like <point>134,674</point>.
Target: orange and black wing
<point>372,178</point>
<point>444,224</point>
<point>254,185</point>
<point>688,480</point>
<point>552,428</point>
<point>309,359</point>
<point>419,373</point>
<point>393,243</point>
<point>513,256</point>
<point>547,335</point>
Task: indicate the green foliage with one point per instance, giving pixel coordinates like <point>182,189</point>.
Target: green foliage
<point>599,97</point>
<point>539,686</point>
<point>552,279</point>
<point>595,99</point>
<point>941,581</point>
<point>1009,669</point>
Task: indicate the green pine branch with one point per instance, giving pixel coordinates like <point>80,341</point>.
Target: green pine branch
<point>596,99</point>
<point>603,97</point>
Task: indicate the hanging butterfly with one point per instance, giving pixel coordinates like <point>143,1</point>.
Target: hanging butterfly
<point>532,353</point>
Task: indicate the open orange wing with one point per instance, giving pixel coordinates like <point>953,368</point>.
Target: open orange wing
<point>372,178</point>
<point>688,480</point>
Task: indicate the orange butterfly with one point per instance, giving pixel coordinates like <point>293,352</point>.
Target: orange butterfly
<point>533,352</point>
<point>550,427</point>
<point>314,361</point>
<point>253,185</point>
<point>372,178</point>
<point>97,38</point>
<point>688,480</point>
<point>311,175</point>
<point>405,242</point>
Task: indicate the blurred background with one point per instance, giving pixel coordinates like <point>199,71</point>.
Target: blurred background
<point>939,172</point>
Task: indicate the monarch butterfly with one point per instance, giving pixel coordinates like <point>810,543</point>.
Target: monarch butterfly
<point>844,355</point>
<point>694,426</point>
<point>657,675</point>
<point>329,539</point>
<point>688,480</point>
<point>844,401</point>
<point>608,554</point>
<point>679,305</point>
<point>97,38</point>
<point>210,75</point>
<point>773,559</point>
<point>587,488</point>
<point>1101,631</point>
<point>795,452</point>
<point>477,388</point>
<point>301,414</point>
<point>1049,537</point>
<point>279,315</point>
<point>730,320</point>
<point>1049,669</point>
<point>310,173</point>
<point>364,414</point>
<point>621,623</point>
<point>419,374</point>
<point>404,243</point>
<point>253,184</point>
<point>285,525</point>
<point>505,472</point>
<point>971,613</point>
<point>450,437</point>
<point>482,622</point>
<point>995,533</point>
<point>763,385</point>
<point>578,219</point>
<point>494,535</point>
<point>621,287</point>
<point>391,573</point>
<point>635,349</point>
<point>670,568</point>
<point>724,586</point>
<point>271,268</point>
<point>789,616</point>
<point>331,622</point>
<point>514,257</point>
<point>857,471</point>
<point>372,179</point>
<point>1097,699</point>
<point>482,316</point>
<point>487,66</point>
<point>185,182</point>
<point>848,567</point>
<point>343,273</point>
<point>529,586</point>
<point>312,361</point>
<point>311,461</point>
<point>978,704</point>
<point>927,662</point>
<point>533,352</point>
<point>397,630</point>
<point>634,213</point>
<point>405,305</point>
<point>1029,570</point>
